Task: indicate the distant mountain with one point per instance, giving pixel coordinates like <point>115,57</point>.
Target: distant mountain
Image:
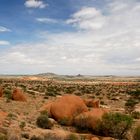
<point>47,74</point>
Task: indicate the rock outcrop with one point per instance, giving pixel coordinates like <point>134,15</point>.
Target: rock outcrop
<point>65,108</point>
<point>18,95</point>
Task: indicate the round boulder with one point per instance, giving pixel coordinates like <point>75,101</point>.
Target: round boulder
<point>18,95</point>
<point>64,109</point>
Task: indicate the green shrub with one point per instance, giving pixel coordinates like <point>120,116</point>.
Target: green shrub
<point>130,104</point>
<point>44,122</point>
<point>134,93</point>
<point>114,125</point>
<point>7,94</point>
<point>51,91</point>
<point>137,133</point>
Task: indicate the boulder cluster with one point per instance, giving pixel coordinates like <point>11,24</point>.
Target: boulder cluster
<point>69,109</point>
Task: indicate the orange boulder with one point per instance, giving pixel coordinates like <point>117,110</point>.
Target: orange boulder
<point>67,107</point>
<point>90,119</point>
<point>18,95</point>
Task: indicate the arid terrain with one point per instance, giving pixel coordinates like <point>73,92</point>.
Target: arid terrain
<point>52,107</point>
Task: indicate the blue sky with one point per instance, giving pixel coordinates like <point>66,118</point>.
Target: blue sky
<point>99,37</point>
<point>21,19</point>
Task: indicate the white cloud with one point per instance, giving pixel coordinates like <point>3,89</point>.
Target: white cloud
<point>111,48</point>
<point>4,29</point>
<point>35,4</point>
<point>46,20</point>
<point>2,42</point>
<point>137,59</point>
<point>18,57</point>
<point>87,18</point>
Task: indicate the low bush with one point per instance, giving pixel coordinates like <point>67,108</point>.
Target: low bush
<point>134,93</point>
<point>7,94</point>
<point>114,125</point>
<point>51,91</point>
<point>130,104</point>
<point>44,122</point>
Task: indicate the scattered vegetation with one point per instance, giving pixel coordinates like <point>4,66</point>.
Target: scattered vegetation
<point>135,93</point>
<point>114,124</point>
<point>130,104</point>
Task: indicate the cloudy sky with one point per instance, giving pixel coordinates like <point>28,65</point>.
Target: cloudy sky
<point>98,37</point>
